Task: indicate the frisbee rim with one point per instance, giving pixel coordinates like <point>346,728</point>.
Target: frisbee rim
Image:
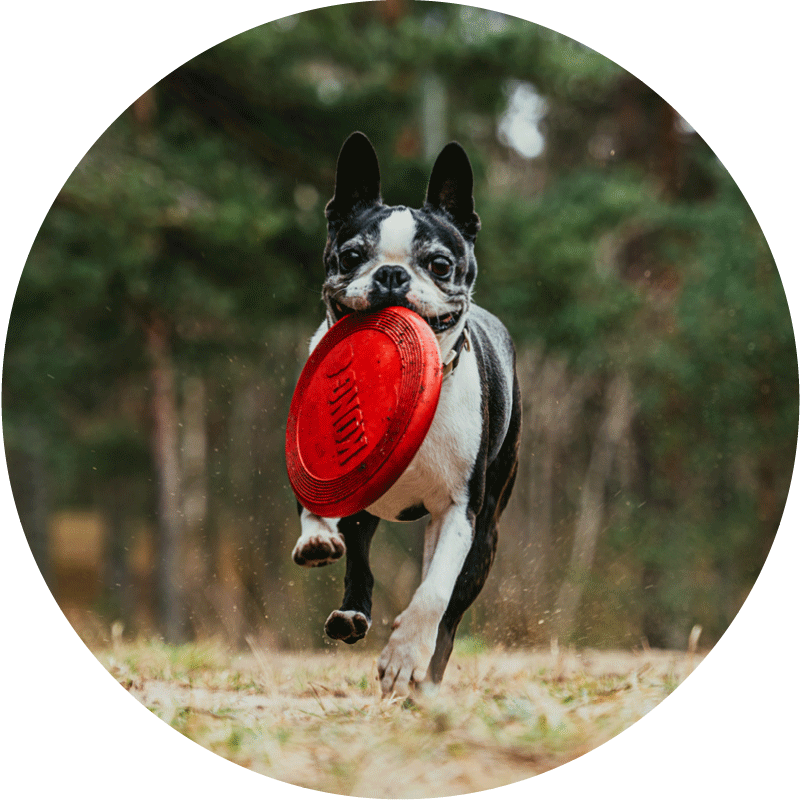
<point>419,385</point>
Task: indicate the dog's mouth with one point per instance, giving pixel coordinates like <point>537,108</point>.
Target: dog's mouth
<point>438,323</point>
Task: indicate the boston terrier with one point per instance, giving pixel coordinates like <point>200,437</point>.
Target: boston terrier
<point>463,473</point>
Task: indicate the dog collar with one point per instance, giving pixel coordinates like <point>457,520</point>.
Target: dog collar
<point>451,362</point>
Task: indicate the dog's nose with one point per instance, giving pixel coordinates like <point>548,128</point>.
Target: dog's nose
<point>392,277</point>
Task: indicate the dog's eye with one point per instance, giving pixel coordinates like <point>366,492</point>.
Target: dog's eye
<point>440,266</point>
<point>350,259</point>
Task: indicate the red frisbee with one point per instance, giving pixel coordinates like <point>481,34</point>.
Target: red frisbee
<point>364,402</point>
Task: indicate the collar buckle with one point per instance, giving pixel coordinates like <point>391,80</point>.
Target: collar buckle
<point>451,361</point>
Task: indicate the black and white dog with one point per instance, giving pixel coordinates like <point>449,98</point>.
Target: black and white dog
<point>462,475</point>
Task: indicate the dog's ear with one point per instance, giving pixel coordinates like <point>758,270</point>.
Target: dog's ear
<point>450,190</point>
<point>358,179</point>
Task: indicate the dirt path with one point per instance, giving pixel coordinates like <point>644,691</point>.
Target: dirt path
<point>318,721</point>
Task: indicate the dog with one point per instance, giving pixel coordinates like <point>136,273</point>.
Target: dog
<point>463,473</point>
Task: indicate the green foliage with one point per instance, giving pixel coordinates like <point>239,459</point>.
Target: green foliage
<point>549,283</point>
<point>202,207</point>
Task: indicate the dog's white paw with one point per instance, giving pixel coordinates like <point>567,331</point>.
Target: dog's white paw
<point>348,626</point>
<point>403,664</point>
<point>319,544</point>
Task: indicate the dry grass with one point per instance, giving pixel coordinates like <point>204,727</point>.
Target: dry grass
<point>317,719</point>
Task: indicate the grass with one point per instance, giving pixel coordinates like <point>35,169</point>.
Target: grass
<point>317,720</point>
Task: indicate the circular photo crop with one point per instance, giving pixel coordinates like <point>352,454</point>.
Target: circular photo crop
<point>610,379</point>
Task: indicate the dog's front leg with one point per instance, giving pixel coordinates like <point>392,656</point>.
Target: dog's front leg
<point>404,661</point>
<point>320,542</point>
<point>352,621</point>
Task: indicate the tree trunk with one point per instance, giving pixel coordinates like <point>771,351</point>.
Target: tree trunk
<point>170,544</point>
<point>201,562</point>
<point>392,11</point>
<point>119,541</point>
<point>433,114</point>
<point>27,472</point>
<point>555,400</point>
<point>592,503</point>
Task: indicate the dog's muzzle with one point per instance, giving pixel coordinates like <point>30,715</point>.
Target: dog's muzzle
<point>438,323</point>
<point>390,286</point>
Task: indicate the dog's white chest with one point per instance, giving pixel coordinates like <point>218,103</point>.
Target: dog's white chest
<point>440,471</point>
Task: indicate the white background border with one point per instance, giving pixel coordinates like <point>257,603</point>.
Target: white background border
<point>69,69</point>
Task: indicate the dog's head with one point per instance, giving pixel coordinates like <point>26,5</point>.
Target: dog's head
<point>378,256</point>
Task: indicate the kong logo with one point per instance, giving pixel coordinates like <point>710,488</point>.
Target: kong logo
<point>345,409</point>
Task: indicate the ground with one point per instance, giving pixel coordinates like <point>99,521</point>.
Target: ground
<point>317,720</point>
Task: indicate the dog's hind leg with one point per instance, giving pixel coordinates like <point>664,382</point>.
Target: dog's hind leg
<point>352,621</point>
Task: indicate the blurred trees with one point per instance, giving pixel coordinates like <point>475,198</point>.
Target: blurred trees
<point>163,315</point>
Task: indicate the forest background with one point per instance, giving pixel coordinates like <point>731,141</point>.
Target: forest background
<point>161,322</point>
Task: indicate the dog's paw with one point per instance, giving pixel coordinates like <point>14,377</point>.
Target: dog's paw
<point>403,664</point>
<point>348,626</point>
<point>319,548</point>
